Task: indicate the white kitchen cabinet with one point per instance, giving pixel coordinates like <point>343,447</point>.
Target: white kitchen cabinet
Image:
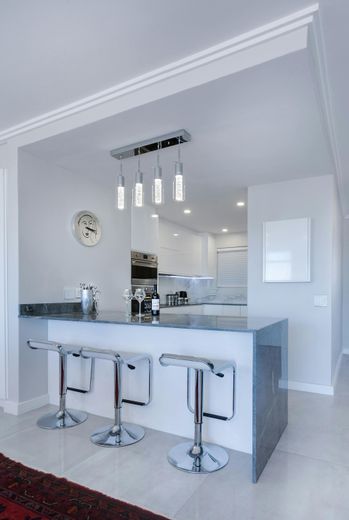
<point>185,309</point>
<point>232,310</point>
<point>208,255</point>
<point>179,250</point>
<point>212,310</point>
<point>244,310</point>
<point>235,310</point>
<point>209,310</point>
<point>145,230</point>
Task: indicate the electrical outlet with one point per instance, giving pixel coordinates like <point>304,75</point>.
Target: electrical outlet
<point>71,293</point>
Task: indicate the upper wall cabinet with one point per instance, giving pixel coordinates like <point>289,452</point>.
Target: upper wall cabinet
<point>180,250</point>
<point>145,230</point>
<point>208,255</point>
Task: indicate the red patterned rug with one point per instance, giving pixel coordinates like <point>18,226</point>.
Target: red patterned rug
<point>28,494</point>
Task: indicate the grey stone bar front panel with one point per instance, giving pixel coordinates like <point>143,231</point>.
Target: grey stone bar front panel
<point>270,392</point>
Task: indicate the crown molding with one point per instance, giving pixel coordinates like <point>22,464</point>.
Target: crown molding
<point>249,40</point>
<point>320,71</point>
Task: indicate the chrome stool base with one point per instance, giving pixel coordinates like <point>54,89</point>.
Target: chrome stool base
<point>211,459</point>
<point>117,437</point>
<point>62,419</point>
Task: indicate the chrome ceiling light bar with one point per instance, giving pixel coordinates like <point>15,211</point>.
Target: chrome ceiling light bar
<point>151,145</point>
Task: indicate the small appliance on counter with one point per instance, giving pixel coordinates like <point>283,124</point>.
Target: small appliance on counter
<point>178,298</point>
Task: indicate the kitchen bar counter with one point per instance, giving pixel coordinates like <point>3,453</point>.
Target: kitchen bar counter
<point>258,347</point>
<point>182,321</point>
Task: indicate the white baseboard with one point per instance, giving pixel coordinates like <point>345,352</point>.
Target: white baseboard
<point>17,408</point>
<point>309,387</point>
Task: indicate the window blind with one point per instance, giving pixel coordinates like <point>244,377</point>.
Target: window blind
<point>232,267</point>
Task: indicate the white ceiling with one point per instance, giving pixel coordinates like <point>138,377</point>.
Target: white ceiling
<point>260,125</point>
<point>55,52</point>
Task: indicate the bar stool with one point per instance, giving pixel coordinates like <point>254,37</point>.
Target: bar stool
<point>64,417</point>
<point>119,434</point>
<point>199,457</point>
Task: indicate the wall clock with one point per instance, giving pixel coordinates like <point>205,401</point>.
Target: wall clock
<point>86,228</point>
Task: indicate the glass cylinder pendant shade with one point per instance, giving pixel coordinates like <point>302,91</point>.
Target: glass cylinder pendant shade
<point>158,187</point>
<point>138,192</point>
<point>120,193</point>
<point>178,183</point>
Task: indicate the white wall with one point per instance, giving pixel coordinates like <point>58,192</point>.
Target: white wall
<point>3,352</point>
<point>50,257</point>
<point>345,285</point>
<point>336,286</point>
<point>311,329</point>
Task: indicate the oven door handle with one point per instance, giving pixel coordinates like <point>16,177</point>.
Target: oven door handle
<point>143,264</point>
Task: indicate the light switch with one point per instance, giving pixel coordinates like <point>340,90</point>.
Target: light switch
<point>320,300</point>
<point>71,293</point>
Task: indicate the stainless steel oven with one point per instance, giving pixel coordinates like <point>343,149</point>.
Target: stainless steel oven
<point>144,274</point>
<point>144,269</point>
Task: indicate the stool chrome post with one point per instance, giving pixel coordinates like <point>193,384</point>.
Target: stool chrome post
<point>118,434</point>
<point>197,456</point>
<point>198,411</point>
<point>64,417</point>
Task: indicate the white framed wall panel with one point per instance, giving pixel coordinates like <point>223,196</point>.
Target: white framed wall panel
<point>286,250</point>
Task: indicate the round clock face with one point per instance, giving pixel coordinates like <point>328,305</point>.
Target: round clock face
<point>87,228</point>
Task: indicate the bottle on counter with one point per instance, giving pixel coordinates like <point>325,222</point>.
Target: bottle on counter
<point>155,302</point>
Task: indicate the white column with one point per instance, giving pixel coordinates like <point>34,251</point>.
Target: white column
<point>3,288</point>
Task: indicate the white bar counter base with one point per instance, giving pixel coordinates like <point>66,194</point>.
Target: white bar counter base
<point>226,338</point>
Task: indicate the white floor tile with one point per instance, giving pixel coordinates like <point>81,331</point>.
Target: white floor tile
<point>306,478</point>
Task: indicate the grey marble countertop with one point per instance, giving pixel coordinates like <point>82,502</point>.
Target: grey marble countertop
<point>202,302</point>
<point>181,321</point>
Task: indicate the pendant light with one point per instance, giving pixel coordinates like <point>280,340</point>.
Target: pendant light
<point>120,190</point>
<point>158,185</point>
<point>138,191</point>
<point>178,182</point>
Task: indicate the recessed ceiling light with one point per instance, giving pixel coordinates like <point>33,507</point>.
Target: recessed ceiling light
<point>224,230</point>
<point>240,203</point>
<point>155,215</point>
<point>187,211</point>
<point>176,234</point>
